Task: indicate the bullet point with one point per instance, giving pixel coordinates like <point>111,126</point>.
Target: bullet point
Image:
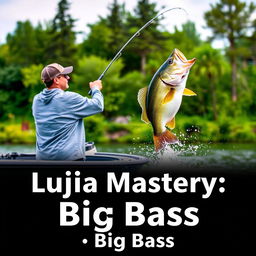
<point>222,180</point>
<point>222,190</point>
<point>85,241</point>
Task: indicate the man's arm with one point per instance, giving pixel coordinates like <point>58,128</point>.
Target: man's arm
<point>83,106</point>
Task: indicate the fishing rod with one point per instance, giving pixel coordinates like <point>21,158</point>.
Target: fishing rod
<point>119,53</point>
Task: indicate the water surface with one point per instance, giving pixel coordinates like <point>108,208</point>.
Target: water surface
<point>212,155</point>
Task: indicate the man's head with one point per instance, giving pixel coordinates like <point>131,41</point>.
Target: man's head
<point>56,76</point>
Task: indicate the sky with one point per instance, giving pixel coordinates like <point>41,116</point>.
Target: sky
<point>88,11</point>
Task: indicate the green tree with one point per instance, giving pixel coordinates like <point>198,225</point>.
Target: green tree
<point>210,67</point>
<point>43,37</point>
<point>129,85</point>
<point>230,19</point>
<point>4,55</point>
<point>187,38</point>
<point>115,21</point>
<point>151,38</point>
<point>120,92</point>
<point>108,34</point>
<point>254,34</point>
<point>23,44</point>
<point>32,80</point>
<point>98,41</point>
<point>61,47</point>
<point>252,40</point>
<point>14,96</point>
<point>27,44</point>
<point>88,69</point>
<point>249,105</point>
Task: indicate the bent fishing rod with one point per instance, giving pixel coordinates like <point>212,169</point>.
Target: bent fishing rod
<point>119,53</point>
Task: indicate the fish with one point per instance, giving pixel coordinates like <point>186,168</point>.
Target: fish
<point>161,100</point>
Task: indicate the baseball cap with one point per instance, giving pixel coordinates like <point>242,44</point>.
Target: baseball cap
<point>53,70</point>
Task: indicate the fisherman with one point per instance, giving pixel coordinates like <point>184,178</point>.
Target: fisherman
<point>59,115</point>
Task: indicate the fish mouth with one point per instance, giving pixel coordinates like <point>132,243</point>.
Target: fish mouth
<point>169,84</point>
<point>172,85</point>
<point>180,55</point>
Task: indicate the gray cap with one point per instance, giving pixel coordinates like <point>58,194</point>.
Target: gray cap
<point>53,70</point>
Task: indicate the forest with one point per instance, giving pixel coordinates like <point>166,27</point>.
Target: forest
<point>224,79</point>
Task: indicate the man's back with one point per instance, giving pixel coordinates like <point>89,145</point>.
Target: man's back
<point>59,123</point>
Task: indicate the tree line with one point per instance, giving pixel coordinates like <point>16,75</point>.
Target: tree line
<point>224,80</point>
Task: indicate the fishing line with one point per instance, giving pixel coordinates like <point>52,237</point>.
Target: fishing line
<point>136,34</point>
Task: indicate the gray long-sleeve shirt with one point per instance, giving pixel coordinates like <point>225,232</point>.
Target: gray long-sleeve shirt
<point>59,123</point>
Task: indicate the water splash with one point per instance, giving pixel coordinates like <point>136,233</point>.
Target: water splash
<point>181,154</point>
<point>199,155</point>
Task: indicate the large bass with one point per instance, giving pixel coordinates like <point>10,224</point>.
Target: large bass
<point>161,100</point>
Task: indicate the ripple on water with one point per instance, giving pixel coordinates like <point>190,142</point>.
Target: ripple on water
<point>187,155</point>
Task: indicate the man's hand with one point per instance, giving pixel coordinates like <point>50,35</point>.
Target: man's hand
<point>96,84</point>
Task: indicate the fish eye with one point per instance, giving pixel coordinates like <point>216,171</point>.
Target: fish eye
<point>170,61</point>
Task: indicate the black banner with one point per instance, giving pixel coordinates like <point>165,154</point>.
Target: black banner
<point>115,210</point>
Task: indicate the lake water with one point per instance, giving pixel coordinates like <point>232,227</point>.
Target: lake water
<point>212,155</point>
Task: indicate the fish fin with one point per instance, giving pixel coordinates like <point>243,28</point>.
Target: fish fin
<point>188,92</point>
<point>161,140</point>
<point>171,124</point>
<point>169,96</point>
<point>142,101</point>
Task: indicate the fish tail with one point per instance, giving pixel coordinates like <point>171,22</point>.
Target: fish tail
<point>167,137</point>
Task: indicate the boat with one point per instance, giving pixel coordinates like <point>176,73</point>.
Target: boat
<point>93,160</point>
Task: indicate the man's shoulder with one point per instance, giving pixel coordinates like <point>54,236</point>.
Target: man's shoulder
<point>69,93</point>
<point>72,95</point>
<point>36,96</point>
